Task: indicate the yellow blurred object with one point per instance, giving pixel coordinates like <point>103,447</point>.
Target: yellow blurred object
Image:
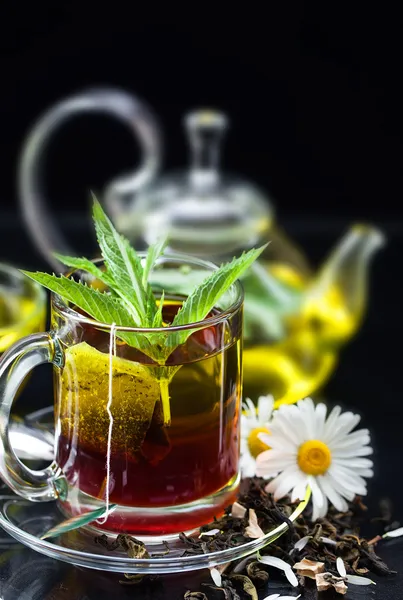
<point>308,318</point>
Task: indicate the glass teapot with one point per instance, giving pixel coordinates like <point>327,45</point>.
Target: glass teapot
<point>295,320</point>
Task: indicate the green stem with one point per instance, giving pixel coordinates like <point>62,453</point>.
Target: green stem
<point>166,406</point>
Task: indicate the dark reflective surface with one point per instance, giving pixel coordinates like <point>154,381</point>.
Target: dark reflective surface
<point>367,380</point>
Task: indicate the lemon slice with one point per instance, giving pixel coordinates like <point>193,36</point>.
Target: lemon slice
<point>83,399</point>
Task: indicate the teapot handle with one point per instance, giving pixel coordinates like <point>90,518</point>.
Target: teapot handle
<point>116,103</point>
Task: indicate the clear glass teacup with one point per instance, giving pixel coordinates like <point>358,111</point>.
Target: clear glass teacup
<point>159,442</point>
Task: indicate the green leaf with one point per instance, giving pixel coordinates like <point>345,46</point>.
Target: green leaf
<point>153,254</point>
<point>123,263</point>
<point>267,303</point>
<point>205,297</point>
<point>157,321</point>
<point>83,264</point>
<point>100,306</point>
<point>77,522</point>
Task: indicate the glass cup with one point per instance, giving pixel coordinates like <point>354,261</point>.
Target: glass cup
<point>159,441</point>
<point>22,306</point>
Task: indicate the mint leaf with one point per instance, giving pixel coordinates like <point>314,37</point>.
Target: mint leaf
<point>123,264</point>
<point>100,306</point>
<point>205,297</point>
<point>153,254</point>
<point>158,321</point>
<point>267,302</point>
<point>83,264</point>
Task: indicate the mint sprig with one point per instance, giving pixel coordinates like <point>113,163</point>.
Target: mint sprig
<point>129,301</point>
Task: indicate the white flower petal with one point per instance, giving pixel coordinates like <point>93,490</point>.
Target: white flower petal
<point>280,427</point>
<point>317,493</point>
<point>353,463</point>
<point>210,532</point>
<point>307,409</point>
<point>283,483</point>
<point>325,483</point>
<point>273,561</point>
<point>319,502</point>
<point>250,412</point>
<point>357,452</point>
<point>278,563</point>
<point>299,491</point>
<point>265,466</point>
<point>278,597</point>
<point>292,578</point>
<point>341,567</point>
<point>331,423</point>
<point>216,577</point>
<point>320,418</point>
<point>346,423</point>
<point>247,465</point>
<point>338,485</point>
<point>292,421</point>
<point>282,445</point>
<point>265,438</point>
<point>359,437</point>
<point>292,477</point>
<point>348,479</point>
<point>355,436</point>
<point>300,545</point>
<point>364,472</point>
<point>358,580</point>
<point>393,533</point>
<point>264,409</point>
<point>327,541</point>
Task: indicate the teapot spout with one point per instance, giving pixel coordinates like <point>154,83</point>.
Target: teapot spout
<point>337,299</point>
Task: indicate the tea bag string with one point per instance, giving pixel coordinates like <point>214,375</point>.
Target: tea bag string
<point>112,353</point>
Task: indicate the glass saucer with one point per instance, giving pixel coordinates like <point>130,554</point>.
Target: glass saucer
<point>27,521</point>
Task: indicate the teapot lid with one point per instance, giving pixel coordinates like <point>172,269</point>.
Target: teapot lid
<point>201,210</point>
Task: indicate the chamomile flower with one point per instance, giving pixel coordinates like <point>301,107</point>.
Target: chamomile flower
<point>309,449</point>
<point>254,420</point>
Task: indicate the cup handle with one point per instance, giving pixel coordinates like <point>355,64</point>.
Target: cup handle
<point>42,485</point>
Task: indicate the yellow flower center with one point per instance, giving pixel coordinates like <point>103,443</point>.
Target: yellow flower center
<point>314,457</point>
<point>256,446</point>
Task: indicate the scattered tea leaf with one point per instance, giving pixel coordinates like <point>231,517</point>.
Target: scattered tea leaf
<point>256,573</point>
<point>247,585</point>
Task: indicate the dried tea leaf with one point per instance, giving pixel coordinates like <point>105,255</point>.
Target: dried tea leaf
<point>194,596</point>
<point>253,530</point>
<point>325,581</point>
<point>238,511</point>
<point>309,568</point>
<point>134,548</point>
<point>248,586</point>
<point>256,573</point>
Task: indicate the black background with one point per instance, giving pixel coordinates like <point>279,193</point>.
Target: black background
<point>312,91</point>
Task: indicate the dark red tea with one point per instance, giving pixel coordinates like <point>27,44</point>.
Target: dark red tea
<point>151,465</point>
